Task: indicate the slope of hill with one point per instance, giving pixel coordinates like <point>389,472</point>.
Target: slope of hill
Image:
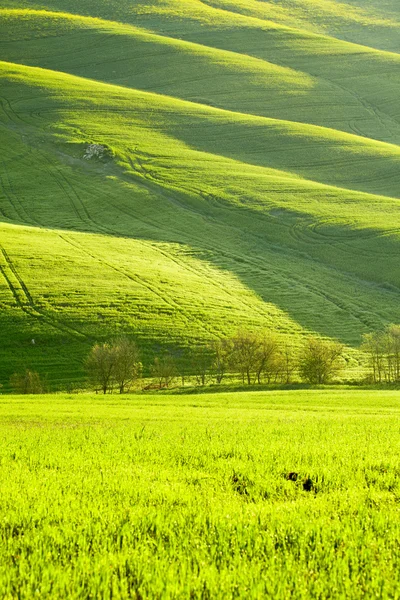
<point>249,174</point>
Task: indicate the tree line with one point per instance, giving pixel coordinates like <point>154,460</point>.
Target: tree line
<point>254,357</point>
<point>383,351</point>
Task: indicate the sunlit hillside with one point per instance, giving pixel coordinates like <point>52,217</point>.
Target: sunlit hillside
<point>175,169</point>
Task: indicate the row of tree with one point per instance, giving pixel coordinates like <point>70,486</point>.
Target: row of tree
<point>113,364</point>
<point>383,350</point>
<point>252,356</point>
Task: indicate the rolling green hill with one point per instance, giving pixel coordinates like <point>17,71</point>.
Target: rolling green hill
<point>249,173</point>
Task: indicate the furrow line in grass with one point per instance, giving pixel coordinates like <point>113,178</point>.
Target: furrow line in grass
<point>288,276</point>
<point>22,214</point>
<point>9,109</point>
<point>373,110</point>
<point>18,278</point>
<point>28,305</point>
<point>314,129</point>
<point>12,288</point>
<point>70,193</point>
<point>7,196</point>
<point>2,106</point>
<point>187,104</point>
<point>316,237</point>
<point>138,280</point>
<point>161,190</point>
<point>76,202</point>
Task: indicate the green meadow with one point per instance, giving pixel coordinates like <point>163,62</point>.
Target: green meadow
<point>249,174</point>
<point>190,496</point>
<point>173,171</point>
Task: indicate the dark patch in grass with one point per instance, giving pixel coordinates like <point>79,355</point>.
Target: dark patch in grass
<point>308,485</point>
<point>240,484</point>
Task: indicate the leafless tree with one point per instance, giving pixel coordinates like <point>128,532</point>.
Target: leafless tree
<point>383,350</point>
<point>164,370</point>
<point>268,357</point>
<point>28,382</point>
<point>245,354</point>
<point>221,351</point>
<point>374,346</point>
<point>127,366</point>
<point>201,364</point>
<point>100,366</point>
<point>288,360</point>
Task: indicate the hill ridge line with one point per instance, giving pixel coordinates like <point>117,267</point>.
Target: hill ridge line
<point>140,31</point>
<point>271,24</point>
<point>303,129</point>
<point>251,117</point>
<point>377,20</point>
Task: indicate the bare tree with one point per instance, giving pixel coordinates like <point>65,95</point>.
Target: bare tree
<point>201,364</point>
<point>321,360</point>
<point>267,359</point>
<point>383,350</point>
<point>28,382</point>
<point>221,351</point>
<point>164,370</point>
<point>183,364</point>
<point>245,354</point>
<point>393,333</point>
<point>374,346</point>
<point>127,366</point>
<point>288,363</point>
<point>100,366</point>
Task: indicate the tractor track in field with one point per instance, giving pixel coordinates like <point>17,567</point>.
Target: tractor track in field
<point>24,288</point>
<point>308,232</point>
<point>287,276</point>
<point>344,241</point>
<point>135,279</point>
<point>375,112</point>
<point>8,109</point>
<point>62,182</point>
<point>79,50</point>
<point>217,250</point>
<point>6,185</point>
<point>25,301</point>
<point>84,216</point>
<point>77,204</point>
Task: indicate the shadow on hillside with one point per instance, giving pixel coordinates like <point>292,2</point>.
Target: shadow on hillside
<point>337,281</point>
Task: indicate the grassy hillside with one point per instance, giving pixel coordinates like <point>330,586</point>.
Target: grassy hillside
<point>250,173</point>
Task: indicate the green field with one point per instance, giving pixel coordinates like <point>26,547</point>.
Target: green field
<point>251,174</point>
<point>174,171</point>
<point>187,496</point>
